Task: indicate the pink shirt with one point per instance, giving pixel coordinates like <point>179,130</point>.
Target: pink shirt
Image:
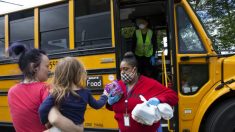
<point>24,101</point>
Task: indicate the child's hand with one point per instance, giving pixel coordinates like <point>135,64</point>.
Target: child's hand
<point>106,93</point>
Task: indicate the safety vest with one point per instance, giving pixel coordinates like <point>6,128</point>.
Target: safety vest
<point>144,48</point>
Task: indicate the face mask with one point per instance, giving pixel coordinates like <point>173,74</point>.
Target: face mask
<point>141,26</point>
<point>127,77</point>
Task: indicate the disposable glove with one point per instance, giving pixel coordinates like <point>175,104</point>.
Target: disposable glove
<point>152,60</point>
<point>153,101</point>
<point>115,92</point>
<point>113,99</point>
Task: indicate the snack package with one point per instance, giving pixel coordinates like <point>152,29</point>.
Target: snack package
<point>115,92</point>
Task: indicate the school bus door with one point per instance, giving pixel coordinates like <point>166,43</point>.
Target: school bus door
<point>173,123</point>
<point>193,67</point>
<point>115,23</point>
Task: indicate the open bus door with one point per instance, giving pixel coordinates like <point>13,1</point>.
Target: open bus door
<point>161,18</point>
<point>115,33</point>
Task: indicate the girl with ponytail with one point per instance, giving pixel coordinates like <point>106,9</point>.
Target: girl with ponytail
<point>69,93</point>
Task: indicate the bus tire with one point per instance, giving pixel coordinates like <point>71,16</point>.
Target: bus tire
<point>222,118</point>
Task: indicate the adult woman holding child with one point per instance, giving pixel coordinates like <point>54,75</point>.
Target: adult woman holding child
<point>25,97</point>
<point>132,84</point>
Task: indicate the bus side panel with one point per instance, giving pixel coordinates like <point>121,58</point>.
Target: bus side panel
<point>102,65</point>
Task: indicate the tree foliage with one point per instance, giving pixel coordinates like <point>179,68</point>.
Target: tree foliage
<point>218,17</point>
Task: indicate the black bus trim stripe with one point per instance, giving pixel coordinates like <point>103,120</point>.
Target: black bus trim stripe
<point>72,53</point>
<point>89,72</point>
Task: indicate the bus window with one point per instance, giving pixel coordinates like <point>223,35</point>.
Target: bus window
<point>189,41</point>
<point>92,23</point>
<point>127,32</point>
<point>22,28</point>
<point>54,28</point>
<point>162,42</point>
<point>193,77</point>
<point>2,36</point>
<point>127,29</point>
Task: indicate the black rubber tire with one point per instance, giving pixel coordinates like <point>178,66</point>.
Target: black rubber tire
<point>222,118</point>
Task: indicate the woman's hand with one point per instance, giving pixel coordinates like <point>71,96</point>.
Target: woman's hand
<point>63,123</point>
<point>48,125</point>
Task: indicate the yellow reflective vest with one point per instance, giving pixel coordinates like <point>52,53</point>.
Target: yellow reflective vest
<point>144,48</point>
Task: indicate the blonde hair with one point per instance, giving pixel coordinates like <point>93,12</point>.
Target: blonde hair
<point>69,72</point>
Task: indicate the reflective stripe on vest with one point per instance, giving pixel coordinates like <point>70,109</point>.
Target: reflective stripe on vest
<point>144,48</point>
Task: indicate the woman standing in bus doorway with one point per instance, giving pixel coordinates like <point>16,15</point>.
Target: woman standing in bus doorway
<point>133,85</point>
<point>144,47</point>
<point>69,94</point>
<point>25,97</point>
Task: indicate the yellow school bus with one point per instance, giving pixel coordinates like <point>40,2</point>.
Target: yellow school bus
<point>191,36</point>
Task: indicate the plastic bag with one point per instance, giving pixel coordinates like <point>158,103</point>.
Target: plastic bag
<point>165,110</point>
<point>145,114</point>
<point>149,114</point>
